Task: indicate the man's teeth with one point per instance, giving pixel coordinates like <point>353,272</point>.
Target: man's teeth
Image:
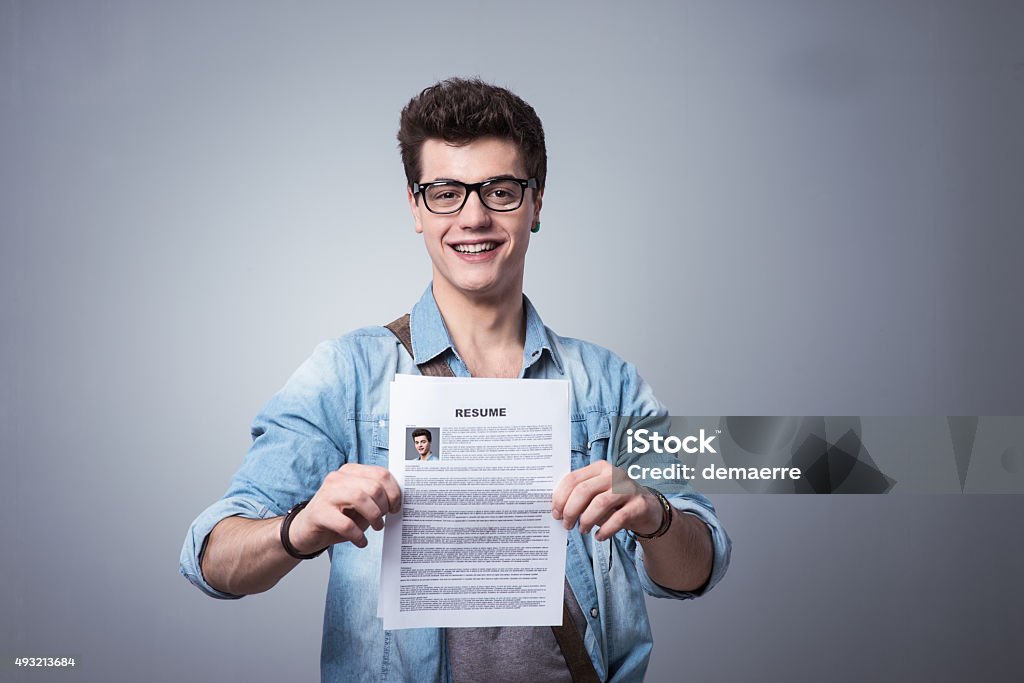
<point>475,248</point>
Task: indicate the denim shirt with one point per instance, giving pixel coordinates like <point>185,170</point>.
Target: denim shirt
<point>334,410</point>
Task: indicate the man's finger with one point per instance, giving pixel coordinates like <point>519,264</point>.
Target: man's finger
<point>391,490</point>
<point>603,506</point>
<point>350,527</point>
<point>565,487</point>
<point>342,487</point>
<point>615,523</point>
<point>381,477</point>
<point>368,507</point>
<point>374,488</point>
<point>580,498</point>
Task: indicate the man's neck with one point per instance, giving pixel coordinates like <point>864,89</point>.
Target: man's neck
<point>425,456</point>
<point>489,333</point>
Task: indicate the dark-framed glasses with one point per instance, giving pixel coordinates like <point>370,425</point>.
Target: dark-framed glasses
<point>497,194</point>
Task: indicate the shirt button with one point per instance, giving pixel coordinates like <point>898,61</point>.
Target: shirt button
<point>381,423</point>
<point>593,612</point>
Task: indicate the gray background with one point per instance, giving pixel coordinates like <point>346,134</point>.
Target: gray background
<point>789,208</point>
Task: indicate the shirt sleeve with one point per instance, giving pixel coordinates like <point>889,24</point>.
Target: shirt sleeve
<point>195,541</point>
<point>695,504</point>
<point>643,409</point>
<point>297,441</point>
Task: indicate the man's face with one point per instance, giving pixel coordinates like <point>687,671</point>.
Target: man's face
<point>497,271</point>
<point>422,444</point>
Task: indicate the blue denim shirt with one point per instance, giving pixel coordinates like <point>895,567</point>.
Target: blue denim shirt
<point>334,410</point>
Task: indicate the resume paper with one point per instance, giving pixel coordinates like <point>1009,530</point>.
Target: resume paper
<point>475,543</point>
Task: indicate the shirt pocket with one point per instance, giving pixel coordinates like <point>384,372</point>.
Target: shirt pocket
<point>380,441</point>
<point>372,440</point>
<point>589,435</point>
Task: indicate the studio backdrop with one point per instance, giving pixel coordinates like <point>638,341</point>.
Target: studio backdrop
<point>795,209</point>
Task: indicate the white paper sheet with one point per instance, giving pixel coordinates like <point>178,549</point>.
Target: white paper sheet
<point>475,543</point>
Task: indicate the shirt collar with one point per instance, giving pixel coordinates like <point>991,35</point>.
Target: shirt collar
<point>429,333</point>
<point>430,336</point>
<point>538,339</point>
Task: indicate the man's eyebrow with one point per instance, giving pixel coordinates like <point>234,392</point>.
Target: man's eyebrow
<point>503,176</point>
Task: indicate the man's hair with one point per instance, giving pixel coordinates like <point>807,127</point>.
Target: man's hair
<point>459,111</point>
<point>421,432</point>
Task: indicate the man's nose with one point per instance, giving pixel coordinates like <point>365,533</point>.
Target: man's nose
<point>474,214</point>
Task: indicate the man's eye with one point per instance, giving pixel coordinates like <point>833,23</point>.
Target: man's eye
<point>444,195</point>
<point>503,194</point>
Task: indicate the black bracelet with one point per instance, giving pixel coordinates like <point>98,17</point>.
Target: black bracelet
<point>288,547</point>
<point>666,516</point>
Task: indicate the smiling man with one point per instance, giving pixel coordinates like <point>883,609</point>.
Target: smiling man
<point>315,477</point>
<point>421,442</point>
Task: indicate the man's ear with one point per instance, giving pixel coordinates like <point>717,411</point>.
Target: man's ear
<point>537,202</point>
<point>415,208</point>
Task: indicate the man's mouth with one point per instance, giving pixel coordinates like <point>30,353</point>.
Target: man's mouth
<point>477,248</point>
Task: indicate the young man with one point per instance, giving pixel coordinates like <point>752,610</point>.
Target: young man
<point>421,442</point>
<point>475,161</point>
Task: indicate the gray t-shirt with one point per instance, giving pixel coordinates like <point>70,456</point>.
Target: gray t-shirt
<point>511,653</point>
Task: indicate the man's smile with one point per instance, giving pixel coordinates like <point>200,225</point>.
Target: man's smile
<point>475,248</point>
<point>477,251</point>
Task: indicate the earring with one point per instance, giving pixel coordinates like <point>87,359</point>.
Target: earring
<point>536,227</point>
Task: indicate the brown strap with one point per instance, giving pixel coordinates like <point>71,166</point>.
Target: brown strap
<point>581,667</point>
<point>568,636</point>
<point>436,366</point>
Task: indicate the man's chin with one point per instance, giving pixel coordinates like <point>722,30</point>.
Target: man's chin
<point>479,287</point>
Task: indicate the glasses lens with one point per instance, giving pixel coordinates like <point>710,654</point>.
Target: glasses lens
<point>502,195</point>
<point>444,197</point>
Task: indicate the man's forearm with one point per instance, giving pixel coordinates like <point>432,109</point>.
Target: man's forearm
<point>681,559</point>
<point>245,556</point>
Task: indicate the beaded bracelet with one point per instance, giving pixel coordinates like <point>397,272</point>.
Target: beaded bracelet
<point>288,547</point>
<point>666,516</point>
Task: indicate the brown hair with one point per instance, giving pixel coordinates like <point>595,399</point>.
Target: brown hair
<point>460,110</point>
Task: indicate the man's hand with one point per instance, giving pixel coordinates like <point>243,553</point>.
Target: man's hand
<point>586,495</point>
<point>350,499</point>
<point>244,556</point>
